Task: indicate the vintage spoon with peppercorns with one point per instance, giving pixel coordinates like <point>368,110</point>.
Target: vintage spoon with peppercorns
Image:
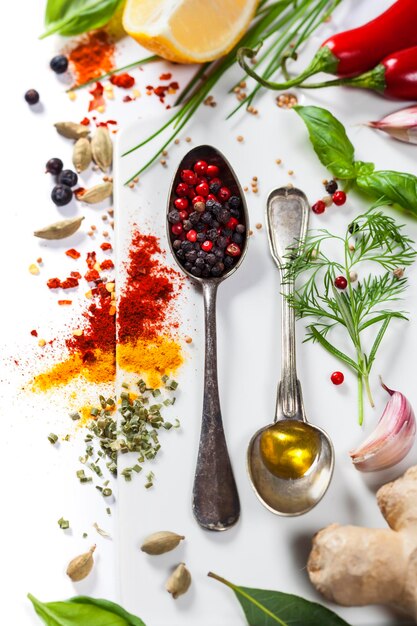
<point>290,462</point>
<point>207,220</point>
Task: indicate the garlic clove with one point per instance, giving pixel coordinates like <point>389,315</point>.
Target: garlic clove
<point>392,438</point>
<point>401,125</point>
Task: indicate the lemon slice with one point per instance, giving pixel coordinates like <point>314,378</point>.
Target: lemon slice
<point>188,31</point>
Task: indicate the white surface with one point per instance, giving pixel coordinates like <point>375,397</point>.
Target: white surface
<point>39,484</point>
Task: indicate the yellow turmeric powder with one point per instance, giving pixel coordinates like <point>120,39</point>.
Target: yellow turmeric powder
<point>150,358</point>
<point>100,370</point>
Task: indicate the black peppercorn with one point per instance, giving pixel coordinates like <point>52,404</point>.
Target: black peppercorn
<point>68,177</point>
<point>32,96</point>
<point>173,217</point>
<point>61,195</point>
<point>54,166</point>
<point>331,186</point>
<point>59,64</point>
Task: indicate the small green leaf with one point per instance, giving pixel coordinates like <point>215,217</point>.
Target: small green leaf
<point>73,17</point>
<point>389,187</point>
<point>363,168</point>
<point>84,611</point>
<point>329,140</point>
<point>274,608</point>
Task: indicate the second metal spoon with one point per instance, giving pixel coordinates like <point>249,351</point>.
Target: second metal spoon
<point>300,473</point>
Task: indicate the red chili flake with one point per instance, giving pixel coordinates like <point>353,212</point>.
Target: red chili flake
<point>72,253</point>
<point>111,122</point>
<point>54,283</point>
<point>98,99</point>
<point>91,275</point>
<point>106,246</point>
<point>76,274</point>
<point>105,124</point>
<point>85,121</point>
<point>166,76</point>
<point>64,302</point>
<point>127,99</point>
<point>79,192</point>
<point>160,91</point>
<point>97,90</point>
<point>107,264</point>
<point>34,333</point>
<point>174,85</point>
<point>125,81</point>
<point>91,260</point>
<point>69,283</point>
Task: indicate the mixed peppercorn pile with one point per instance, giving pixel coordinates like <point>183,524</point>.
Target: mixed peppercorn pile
<point>207,223</point>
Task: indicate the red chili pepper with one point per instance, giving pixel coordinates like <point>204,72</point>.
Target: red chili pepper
<point>394,77</point>
<point>355,51</point>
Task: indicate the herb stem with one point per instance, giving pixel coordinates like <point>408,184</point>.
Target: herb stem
<point>129,66</point>
<point>360,399</point>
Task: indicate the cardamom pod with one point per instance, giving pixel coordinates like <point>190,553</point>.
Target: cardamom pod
<point>81,154</point>
<point>81,565</point>
<point>97,193</point>
<point>161,542</point>
<point>60,230</point>
<point>179,581</point>
<point>102,148</point>
<point>71,130</point>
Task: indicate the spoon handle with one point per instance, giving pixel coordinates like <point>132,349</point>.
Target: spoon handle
<point>215,498</point>
<point>289,400</point>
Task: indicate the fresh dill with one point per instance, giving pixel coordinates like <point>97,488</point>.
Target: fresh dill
<point>375,248</point>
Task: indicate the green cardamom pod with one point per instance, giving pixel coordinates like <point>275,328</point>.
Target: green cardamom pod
<point>60,230</point>
<point>161,542</point>
<point>79,567</point>
<point>102,148</point>
<point>179,581</point>
<point>71,130</point>
<point>95,194</point>
<point>81,154</point>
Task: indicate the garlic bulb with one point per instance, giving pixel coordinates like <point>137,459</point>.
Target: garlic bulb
<point>392,438</point>
<point>400,125</point>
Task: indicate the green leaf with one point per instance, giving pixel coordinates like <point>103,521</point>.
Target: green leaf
<point>317,336</point>
<point>329,140</point>
<point>73,17</point>
<point>389,187</point>
<point>274,608</point>
<point>84,611</point>
<point>363,168</point>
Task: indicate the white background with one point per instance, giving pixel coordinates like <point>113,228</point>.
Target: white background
<point>38,480</point>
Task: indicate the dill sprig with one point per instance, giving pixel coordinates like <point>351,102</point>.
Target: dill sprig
<point>376,248</point>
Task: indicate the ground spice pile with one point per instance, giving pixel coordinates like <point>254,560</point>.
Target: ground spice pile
<point>144,325</point>
<point>92,57</point>
<point>144,321</point>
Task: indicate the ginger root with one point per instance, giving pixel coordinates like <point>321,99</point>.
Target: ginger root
<point>356,566</point>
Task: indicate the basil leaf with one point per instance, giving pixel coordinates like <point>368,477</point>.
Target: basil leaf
<point>84,611</point>
<point>388,187</point>
<point>329,140</point>
<point>363,168</point>
<point>73,17</point>
<point>272,608</point>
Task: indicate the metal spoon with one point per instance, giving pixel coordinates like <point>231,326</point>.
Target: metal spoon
<point>215,498</point>
<point>299,474</point>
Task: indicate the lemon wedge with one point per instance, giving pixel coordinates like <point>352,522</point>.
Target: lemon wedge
<point>188,31</point>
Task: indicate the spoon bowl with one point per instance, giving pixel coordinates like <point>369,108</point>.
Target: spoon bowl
<point>215,497</point>
<point>286,495</point>
<point>290,462</point>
